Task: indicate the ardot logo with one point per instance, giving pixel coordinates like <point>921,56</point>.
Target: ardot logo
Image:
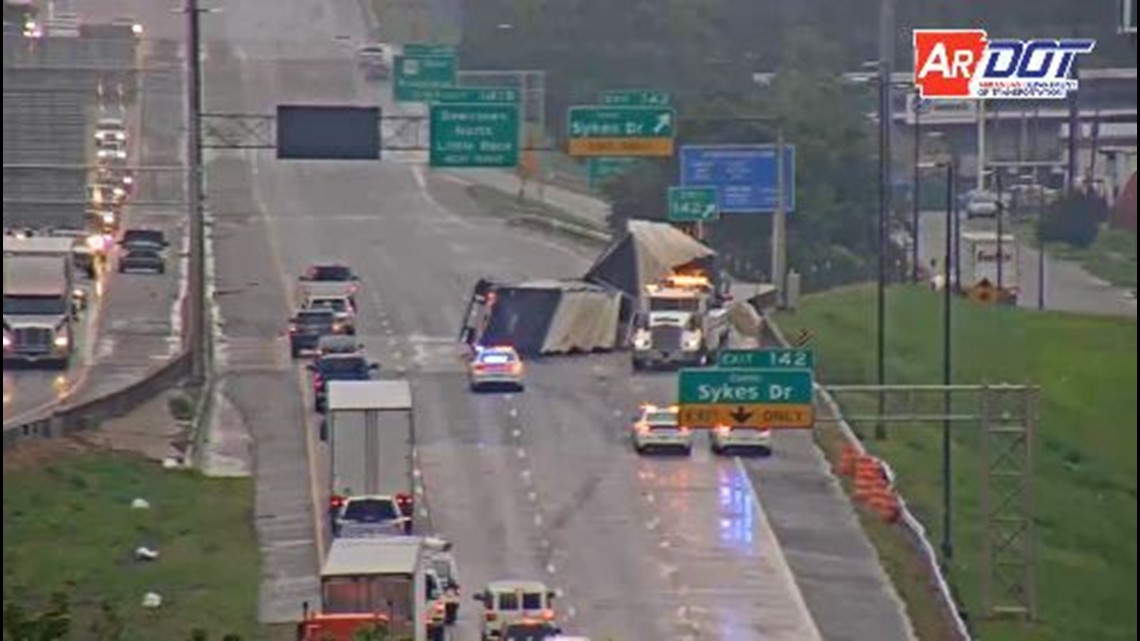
<point>964,63</point>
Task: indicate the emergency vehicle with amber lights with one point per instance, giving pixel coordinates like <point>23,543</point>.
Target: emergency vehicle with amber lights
<point>498,367</point>
<point>656,429</point>
<point>513,602</point>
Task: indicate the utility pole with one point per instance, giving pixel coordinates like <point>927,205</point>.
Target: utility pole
<point>198,313</point>
<point>886,66</point>
<point>1074,128</point>
<point>947,404</point>
<point>918,106</point>
<point>779,225</point>
<point>1000,231</point>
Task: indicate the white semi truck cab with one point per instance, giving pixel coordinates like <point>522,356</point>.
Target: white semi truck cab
<point>678,325</point>
<point>39,310</point>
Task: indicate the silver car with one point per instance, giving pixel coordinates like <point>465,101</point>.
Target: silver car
<point>142,260</point>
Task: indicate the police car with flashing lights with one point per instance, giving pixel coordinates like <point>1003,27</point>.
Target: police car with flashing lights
<point>741,439</point>
<point>495,368</point>
<point>658,429</point>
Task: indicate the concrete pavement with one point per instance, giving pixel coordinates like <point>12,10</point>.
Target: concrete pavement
<point>580,521</point>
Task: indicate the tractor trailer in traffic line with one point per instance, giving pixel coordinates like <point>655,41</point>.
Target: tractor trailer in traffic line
<point>39,310</point>
<point>369,431</point>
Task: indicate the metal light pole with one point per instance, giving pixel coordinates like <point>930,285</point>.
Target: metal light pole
<point>886,65</point>
<point>1000,230</point>
<point>947,405</point>
<point>915,187</point>
<point>198,324</point>
<point>1040,201</point>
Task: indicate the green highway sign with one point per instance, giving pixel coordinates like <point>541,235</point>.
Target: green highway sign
<point>767,358</point>
<point>473,95</point>
<point>635,98</point>
<point>422,49</point>
<point>714,386</point>
<point>599,170</point>
<point>417,76</point>
<point>621,131</point>
<point>474,135</point>
<point>692,204</point>
<point>767,399</point>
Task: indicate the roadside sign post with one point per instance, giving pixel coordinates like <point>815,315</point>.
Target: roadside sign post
<point>472,95</point>
<point>746,176</point>
<point>621,131</point>
<point>424,49</point>
<point>692,205</point>
<point>635,98</point>
<point>767,358</point>
<point>474,135</point>
<point>769,399</point>
<point>418,76</point>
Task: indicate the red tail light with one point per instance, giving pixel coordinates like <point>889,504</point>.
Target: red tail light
<point>480,367</point>
<point>516,368</point>
<point>490,616</point>
<point>404,499</point>
<point>336,502</point>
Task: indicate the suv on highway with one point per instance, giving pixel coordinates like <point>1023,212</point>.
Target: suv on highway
<point>344,313</point>
<point>138,238</point>
<point>338,367</point>
<point>306,329</point>
<point>367,516</point>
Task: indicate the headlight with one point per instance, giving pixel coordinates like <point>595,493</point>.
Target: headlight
<point>119,192</point>
<point>102,153</point>
<point>61,340</point>
<point>7,341</point>
<point>108,217</point>
<point>128,180</point>
<point>78,293</point>
<point>692,341</point>
<point>120,135</point>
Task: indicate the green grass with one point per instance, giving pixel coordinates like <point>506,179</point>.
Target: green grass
<point>68,527</point>
<point>1085,478</point>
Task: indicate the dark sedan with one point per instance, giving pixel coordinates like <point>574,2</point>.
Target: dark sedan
<point>142,260</point>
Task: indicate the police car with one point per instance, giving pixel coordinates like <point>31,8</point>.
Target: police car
<point>495,367</point>
<point>657,428</point>
<point>741,439</point>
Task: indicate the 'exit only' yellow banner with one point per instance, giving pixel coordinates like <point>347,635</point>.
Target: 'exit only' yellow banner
<point>621,147</point>
<point>762,416</point>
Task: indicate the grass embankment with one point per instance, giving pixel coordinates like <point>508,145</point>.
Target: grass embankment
<point>1085,480</point>
<point>69,527</point>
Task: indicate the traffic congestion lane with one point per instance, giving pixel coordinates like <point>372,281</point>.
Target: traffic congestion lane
<point>142,317</point>
<point>132,324</point>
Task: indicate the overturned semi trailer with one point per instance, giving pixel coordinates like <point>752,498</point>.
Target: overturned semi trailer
<point>544,316</point>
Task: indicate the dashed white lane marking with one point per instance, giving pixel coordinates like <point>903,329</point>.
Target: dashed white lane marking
<point>513,413</point>
<point>517,433</point>
<point>538,520</point>
<point>545,543</point>
<point>550,568</point>
<point>521,453</point>
<point>526,475</point>
<point>532,496</point>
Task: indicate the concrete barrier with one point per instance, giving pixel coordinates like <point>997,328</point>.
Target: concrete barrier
<point>70,418</point>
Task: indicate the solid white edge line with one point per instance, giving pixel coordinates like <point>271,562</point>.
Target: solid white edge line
<point>781,562</point>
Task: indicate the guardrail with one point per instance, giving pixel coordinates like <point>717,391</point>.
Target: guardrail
<point>911,525</point>
<point>71,418</point>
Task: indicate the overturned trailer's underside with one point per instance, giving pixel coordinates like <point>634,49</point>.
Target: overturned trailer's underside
<point>544,317</point>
